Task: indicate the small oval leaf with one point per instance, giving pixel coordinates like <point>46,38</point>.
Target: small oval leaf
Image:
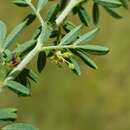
<point>87,60</point>
<point>71,36</point>
<point>95,49</point>
<point>84,17</point>
<point>87,37</point>
<point>20,3</point>
<point>41,61</point>
<point>17,88</point>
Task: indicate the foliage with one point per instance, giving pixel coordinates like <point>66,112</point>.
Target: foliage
<point>68,45</point>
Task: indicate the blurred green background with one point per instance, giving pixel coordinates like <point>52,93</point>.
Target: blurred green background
<point>98,100</point>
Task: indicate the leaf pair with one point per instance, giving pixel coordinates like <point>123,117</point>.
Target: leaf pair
<point>84,52</point>
<point>77,44</point>
<point>85,58</point>
<point>73,37</point>
<point>21,84</point>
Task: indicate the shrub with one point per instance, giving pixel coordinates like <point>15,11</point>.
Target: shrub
<point>68,45</point>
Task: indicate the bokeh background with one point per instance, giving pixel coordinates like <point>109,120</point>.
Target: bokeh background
<point>97,100</point>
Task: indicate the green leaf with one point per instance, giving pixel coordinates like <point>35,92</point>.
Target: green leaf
<point>71,36</point>
<point>87,37</point>
<point>41,61</point>
<point>95,49</point>
<point>113,13</point>
<point>68,26</point>
<point>29,19</point>
<point>22,78</point>
<point>20,3</point>
<point>8,114</point>
<point>33,76</point>
<point>14,34</point>
<point>17,88</point>
<point>3,32</point>
<point>52,12</point>
<point>36,33</point>
<point>21,48</point>
<point>109,3</point>
<point>19,126</point>
<point>76,69</point>
<point>17,31</point>
<point>95,13</point>
<point>41,4</point>
<point>84,17</point>
<point>86,60</point>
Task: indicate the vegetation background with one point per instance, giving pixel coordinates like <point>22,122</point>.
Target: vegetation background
<point>98,100</point>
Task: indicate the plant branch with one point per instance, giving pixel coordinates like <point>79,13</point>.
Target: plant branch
<point>33,52</point>
<point>67,10</point>
<point>39,45</point>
